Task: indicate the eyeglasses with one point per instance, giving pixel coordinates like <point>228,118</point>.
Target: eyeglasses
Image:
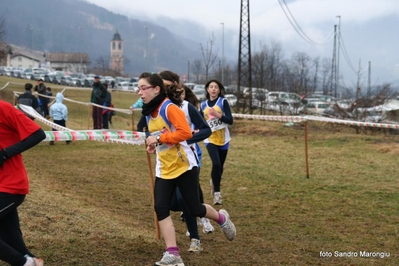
<point>143,88</point>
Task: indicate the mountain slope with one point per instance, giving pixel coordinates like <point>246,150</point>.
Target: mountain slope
<point>77,26</point>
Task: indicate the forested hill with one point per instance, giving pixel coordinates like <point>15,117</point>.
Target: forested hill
<point>78,26</point>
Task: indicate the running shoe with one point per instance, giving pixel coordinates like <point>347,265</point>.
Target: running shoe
<point>217,198</point>
<point>228,227</point>
<point>169,260</point>
<point>207,227</point>
<point>33,262</point>
<point>195,245</point>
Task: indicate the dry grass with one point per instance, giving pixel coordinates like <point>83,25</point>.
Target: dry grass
<point>90,202</point>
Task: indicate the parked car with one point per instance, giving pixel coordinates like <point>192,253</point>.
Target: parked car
<point>335,111</point>
<point>67,81</point>
<point>49,78</point>
<point>315,108</point>
<point>190,85</point>
<point>367,115</point>
<point>56,80</point>
<point>8,70</point>
<point>231,98</point>
<point>2,71</point>
<point>79,82</point>
<point>201,96</point>
<point>133,86</point>
<point>199,87</point>
<point>124,85</point>
<point>284,102</point>
<point>88,82</point>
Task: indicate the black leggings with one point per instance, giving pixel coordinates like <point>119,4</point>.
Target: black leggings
<point>188,186</point>
<point>12,245</point>
<point>218,157</point>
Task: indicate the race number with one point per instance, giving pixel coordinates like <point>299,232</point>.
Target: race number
<point>216,124</point>
<point>164,146</point>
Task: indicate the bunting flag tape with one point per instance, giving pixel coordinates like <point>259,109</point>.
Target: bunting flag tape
<point>108,136</point>
<point>64,134</point>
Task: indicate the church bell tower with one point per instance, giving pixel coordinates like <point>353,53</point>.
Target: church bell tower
<point>117,53</point>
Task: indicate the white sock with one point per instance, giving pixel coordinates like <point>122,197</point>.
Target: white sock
<point>29,261</point>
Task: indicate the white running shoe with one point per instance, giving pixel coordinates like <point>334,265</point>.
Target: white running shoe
<point>217,198</point>
<point>33,261</point>
<point>228,227</point>
<point>195,245</point>
<point>170,260</point>
<point>207,227</point>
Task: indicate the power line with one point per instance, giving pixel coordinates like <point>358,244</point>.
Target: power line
<point>345,53</point>
<point>298,29</point>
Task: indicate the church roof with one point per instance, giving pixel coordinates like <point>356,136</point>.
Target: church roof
<point>117,37</point>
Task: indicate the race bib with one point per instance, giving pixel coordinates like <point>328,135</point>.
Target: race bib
<point>162,146</point>
<point>216,124</point>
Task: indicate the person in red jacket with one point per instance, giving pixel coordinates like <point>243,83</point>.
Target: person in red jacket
<point>18,133</point>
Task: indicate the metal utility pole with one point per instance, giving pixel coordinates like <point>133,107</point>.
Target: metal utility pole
<point>244,54</point>
<point>81,57</point>
<point>222,53</point>
<point>33,39</point>
<point>369,82</point>
<point>339,48</point>
<point>188,71</point>
<point>146,48</point>
<point>333,85</point>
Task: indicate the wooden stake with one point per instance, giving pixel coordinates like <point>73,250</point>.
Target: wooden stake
<point>132,120</point>
<point>88,115</point>
<point>152,182</point>
<point>306,149</point>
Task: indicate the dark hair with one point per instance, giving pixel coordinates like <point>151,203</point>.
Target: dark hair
<point>174,90</point>
<point>28,86</point>
<point>190,96</point>
<point>220,85</point>
<point>105,85</point>
<point>48,88</point>
<point>170,76</point>
<point>153,79</point>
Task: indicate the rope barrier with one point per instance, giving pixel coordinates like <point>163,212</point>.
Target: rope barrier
<point>66,134</point>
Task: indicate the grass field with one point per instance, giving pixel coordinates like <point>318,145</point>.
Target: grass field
<point>90,202</point>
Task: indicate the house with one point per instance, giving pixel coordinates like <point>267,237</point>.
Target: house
<point>17,56</point>
<point>68,62</point>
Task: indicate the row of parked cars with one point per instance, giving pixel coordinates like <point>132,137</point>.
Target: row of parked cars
<point>64,78</point>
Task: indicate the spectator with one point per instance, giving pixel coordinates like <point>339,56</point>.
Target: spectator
<point>138,104</point>
<point>48,91</point>
<point>98,95</point>
<point>59,113</point>
<point>41,89</point>
<point>28,99</point>
<point>18,133</point>
<point>107,103</point>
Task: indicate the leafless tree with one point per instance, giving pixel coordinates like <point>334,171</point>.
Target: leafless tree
<point>260,67</point>
<point>274,66</point>
<point>316,64</point>
<point>2,29</point>
<point>208,55</point>
<point>3,46</point>
<point>103,63</point>
<point>196,68</point>
<point>326,75</point>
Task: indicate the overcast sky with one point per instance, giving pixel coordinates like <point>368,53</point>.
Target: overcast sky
<point>315,17</point>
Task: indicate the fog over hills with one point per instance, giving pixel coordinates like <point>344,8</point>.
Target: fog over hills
<point>53,25</point>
